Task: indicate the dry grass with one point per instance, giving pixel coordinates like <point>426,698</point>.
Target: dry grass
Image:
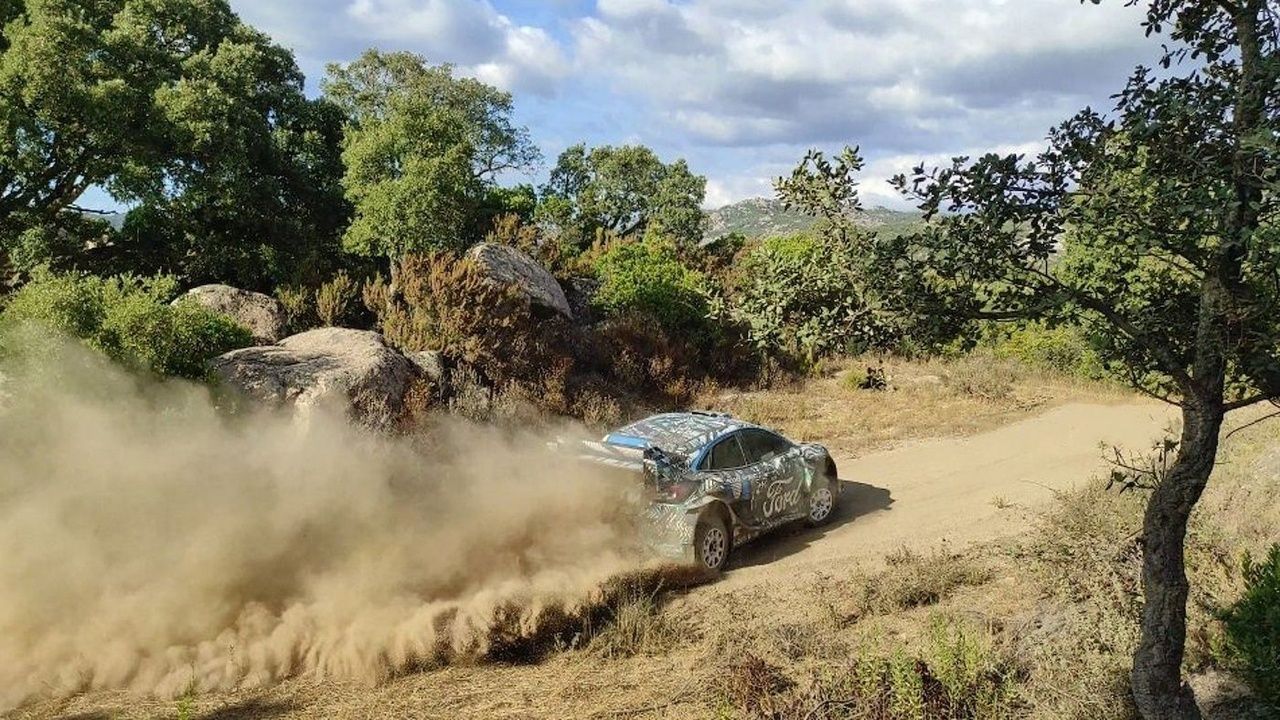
<point>958,671</point>
<point>924,399</point>
<point>913,580</point>
<point>634,625</point>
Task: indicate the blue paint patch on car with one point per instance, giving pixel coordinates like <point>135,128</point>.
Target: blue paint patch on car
<point>630,441</point>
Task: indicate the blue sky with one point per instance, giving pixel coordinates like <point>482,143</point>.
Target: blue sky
<point>741,88</point>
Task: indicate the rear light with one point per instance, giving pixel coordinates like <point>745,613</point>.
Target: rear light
<point>677,492</point>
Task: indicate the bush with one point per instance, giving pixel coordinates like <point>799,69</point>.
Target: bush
<point>637,353</point>
<point>1063,348</point>
<point>128,318</point>
<point>559,257</point>
<point>445,303</point>
<point>1252,627</point>
<point>961,673</point>
<point>648,277</point>
<point>910,580</point>
<point>983,376</point>
<point>799,297</point>
<point>299,308</point>
<point>335,300</point>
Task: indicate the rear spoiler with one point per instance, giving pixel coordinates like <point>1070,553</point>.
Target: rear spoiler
<point>623,453</point>
<point>619,456</point>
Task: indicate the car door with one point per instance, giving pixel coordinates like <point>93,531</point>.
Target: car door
<point>729,475</point>
<point>777,465</point>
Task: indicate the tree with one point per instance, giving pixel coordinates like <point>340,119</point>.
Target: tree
<point>1166,212</point>
<point>256,204</point>
<point>423,153</point>
<point>174,106</point>
<point>807,296</point>
<point>625,191</point>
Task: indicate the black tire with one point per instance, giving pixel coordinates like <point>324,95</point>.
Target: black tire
<point>712,542</point>
<point>824,500</point>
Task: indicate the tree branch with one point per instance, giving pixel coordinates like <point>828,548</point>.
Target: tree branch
<point>1168,363</point>
<point>1247,401</point>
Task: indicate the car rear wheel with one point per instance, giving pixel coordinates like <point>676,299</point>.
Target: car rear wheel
<point>712,542</point>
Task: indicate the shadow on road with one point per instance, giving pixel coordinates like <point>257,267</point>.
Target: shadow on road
<point>856,499</point>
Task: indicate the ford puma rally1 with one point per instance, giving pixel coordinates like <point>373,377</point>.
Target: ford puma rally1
<point>716,482</point>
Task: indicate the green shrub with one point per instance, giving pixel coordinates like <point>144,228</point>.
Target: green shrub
<point>1063,348</point>
<point>299,307</point>
<point>1252,628</point>
<point>799,297</point>
<point>961,672</point>
<point>336,300</point>
<point>648,277</point>
<point>129,318</point>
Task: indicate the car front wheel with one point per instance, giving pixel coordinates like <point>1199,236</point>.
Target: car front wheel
<point>712,543</point>
<point>822,503</point>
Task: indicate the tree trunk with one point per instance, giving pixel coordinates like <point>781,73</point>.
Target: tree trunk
<point>1158,688</point>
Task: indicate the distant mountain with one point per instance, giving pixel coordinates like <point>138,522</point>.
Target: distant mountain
<point>114,219</point>
<point>766,217</point>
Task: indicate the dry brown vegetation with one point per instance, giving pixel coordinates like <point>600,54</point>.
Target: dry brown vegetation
<point>924,399</point>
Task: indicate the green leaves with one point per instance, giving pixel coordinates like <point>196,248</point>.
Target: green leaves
<point>174,106</point>
<point>801,297</point>
<point>648,277</point>
<point>625,191</point>
<point>126,317</point>
<point>1252,627</point>
<point>422,152</point>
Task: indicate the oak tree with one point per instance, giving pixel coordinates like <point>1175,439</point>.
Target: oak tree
<point>423,153</point>
<point>1155,227</point>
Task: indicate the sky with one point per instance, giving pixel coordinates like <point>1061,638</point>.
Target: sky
<point>742,88</point>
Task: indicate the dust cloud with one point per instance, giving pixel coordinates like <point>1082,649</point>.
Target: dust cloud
<point>150,541</point>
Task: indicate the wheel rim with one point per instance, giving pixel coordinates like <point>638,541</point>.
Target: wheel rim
<point>714,546</point>
<point>820,504</point>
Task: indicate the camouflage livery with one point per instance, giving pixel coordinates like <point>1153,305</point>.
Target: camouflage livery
<point>707,468</point>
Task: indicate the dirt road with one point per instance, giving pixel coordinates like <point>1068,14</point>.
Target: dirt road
<point>957,491</point>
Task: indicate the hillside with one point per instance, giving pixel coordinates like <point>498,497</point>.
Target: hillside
<point>766,217</point>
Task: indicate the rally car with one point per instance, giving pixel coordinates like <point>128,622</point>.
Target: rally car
<point>716,482</point>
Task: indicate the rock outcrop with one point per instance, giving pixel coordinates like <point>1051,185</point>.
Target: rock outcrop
<point>507,265</point>
<point>351,370</point>
<point>263,315</point>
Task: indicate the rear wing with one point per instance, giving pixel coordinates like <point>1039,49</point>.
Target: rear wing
<point>618,456</point>
<point>636,458</point>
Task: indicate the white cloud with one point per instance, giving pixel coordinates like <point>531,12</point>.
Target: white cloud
<point>471,34</point>
<point>742,88</point>
<point>899,73</point>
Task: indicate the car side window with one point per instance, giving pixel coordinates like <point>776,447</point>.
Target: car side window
<point>763,446</point>
<point>725,455</point>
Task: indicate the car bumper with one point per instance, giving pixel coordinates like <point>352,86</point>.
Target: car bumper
<point>668,532</point>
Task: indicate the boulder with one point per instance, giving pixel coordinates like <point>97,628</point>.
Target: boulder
<point>507,265</point>
<point>351,370</point>
<point>263,315</point>
<point>430,363</point>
